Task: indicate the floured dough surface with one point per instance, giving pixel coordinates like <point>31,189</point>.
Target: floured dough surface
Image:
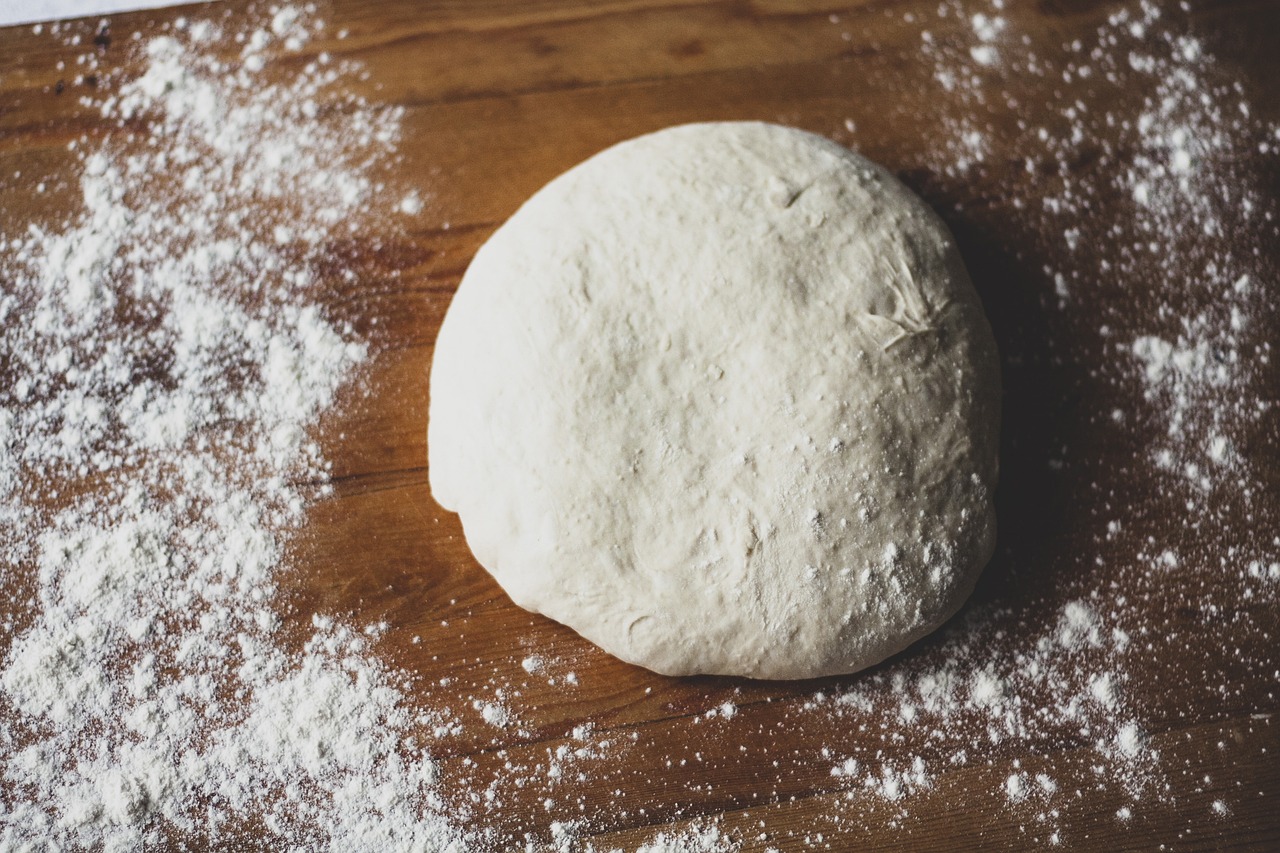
<point>723,399</point>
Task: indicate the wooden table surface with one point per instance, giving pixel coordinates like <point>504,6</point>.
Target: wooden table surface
<point>502,96</point>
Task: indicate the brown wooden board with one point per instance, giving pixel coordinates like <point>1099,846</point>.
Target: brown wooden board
<point>500,97</point>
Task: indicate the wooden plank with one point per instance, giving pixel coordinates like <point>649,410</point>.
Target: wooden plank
<point>499,97</point>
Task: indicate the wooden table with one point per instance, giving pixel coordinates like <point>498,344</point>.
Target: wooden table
<point>502,96</point>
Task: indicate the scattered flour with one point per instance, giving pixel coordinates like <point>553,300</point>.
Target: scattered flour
<point>494,714</point>
<point>697,840</point>
<point>166,367</point>
<point>971,693</point>
<point>566,838</point>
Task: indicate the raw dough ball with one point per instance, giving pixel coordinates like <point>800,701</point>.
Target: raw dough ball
<point>723,399</point>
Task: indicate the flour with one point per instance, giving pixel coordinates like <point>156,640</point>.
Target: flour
<point>988,29</point>
<point>493,713</point>
<point>168,369</point>
<point>566,838</point>
<point>1180,120</point>
<point>969,692</point>
<point>696,840</point>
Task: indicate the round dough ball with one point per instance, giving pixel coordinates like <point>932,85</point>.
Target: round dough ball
<point>723,399</point>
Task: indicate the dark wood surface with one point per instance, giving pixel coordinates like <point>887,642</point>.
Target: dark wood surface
<point>502,96</point>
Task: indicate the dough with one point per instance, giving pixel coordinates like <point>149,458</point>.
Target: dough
<point>723,399</point>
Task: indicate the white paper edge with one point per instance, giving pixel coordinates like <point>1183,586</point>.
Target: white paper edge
<point>45,11</point>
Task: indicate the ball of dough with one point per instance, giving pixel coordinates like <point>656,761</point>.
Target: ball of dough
<point>723,399</point>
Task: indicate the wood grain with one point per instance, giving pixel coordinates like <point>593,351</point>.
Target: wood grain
<point>499,97</point>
